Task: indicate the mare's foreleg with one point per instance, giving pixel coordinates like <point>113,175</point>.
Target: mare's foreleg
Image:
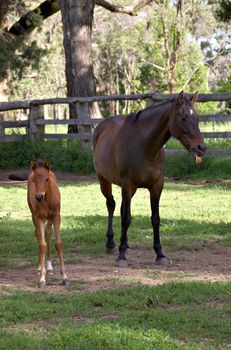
<point>48,234</point>
<point>106,189</point>
<point>155,193</point>
<point>59,248</point>
<point>127,194</point>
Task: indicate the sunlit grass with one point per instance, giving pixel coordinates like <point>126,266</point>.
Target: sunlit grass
<point>189,214</point>
<point>186,315</point>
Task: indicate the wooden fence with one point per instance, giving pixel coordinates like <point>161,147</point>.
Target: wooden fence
<point>35,123</point>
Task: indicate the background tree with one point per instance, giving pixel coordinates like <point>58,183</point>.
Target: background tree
<point>166,47</point>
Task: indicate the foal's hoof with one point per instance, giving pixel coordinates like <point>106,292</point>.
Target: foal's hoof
<point>163,261</point>
<point>65,283</point>
<point>42,285</point>
<point>122,263</point>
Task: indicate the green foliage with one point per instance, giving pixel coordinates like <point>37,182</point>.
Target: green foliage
<point>26,57</point>
<point>64,155</point>
<point>223,10</point>
<point>69,156</point>
<point>185,167</point>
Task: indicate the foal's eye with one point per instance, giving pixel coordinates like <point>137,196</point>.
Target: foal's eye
<point>47,179</point>
<point>183,119</point>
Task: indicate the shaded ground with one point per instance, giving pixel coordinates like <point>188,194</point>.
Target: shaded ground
<point>4,176</point>
<point>209,262</point>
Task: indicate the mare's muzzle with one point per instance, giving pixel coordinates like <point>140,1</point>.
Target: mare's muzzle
<point>198,150</point>
<point>40,197</point>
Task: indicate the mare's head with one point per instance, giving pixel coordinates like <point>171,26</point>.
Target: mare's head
<point>41,171</point>
<point>184,125</point>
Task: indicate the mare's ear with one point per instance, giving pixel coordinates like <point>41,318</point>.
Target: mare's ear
<point>180,99</point>
<point>33,164</point>
<point>194,97</point>
<point>47,164</point>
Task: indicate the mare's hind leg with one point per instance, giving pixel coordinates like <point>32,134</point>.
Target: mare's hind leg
<point>106,189</point>
<point>48,234</point>
<point>155,192</point>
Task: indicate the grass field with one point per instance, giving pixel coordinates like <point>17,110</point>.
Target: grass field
<point>178,307</point>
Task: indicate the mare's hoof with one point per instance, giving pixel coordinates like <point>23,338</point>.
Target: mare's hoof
<point>163,261</point>
<point>110,246</point>
<point>42,285</point>
<point>128,251</point>
<point>65,283</point>
<point>110,250</point>
<point>121,263</point>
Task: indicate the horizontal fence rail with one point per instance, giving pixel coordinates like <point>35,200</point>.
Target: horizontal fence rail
<point>36,122</point>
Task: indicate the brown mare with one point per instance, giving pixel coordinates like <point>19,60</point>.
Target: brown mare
<point>44,201</point>
<point>128,151</point>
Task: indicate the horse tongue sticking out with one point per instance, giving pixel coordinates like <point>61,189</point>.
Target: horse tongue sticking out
<point>129,152</point>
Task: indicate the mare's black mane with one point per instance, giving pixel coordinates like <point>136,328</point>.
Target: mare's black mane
<point>133,116</point>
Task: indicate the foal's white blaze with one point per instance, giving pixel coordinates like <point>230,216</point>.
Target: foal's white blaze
<point>191,112</point>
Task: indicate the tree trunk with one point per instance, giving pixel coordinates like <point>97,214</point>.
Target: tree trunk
<point>77,17</point>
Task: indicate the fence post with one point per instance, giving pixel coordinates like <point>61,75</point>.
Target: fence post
<point>36,112</point>
<point>83,112</point>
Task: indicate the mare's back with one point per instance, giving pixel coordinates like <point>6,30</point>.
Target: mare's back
<point>108,128</point>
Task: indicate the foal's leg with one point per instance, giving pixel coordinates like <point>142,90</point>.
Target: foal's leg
<point>59,248</point>
<point>48,234</point>
<point>106,189</point>
<point>42,250</point>
<point>36,233</point>
<point>127,194</point>
<point>155,193</point>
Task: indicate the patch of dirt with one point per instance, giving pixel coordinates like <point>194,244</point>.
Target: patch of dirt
<point>211,263</point>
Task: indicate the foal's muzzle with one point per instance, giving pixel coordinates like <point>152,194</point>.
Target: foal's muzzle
<point>40,197</point>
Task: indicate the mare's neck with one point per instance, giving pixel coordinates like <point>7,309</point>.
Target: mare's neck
<point>156,126</point>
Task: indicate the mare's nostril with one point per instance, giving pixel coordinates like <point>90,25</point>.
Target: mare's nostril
<point>201,150</point>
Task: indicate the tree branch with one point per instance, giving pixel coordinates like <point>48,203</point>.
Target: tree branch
<point>33,18</point>
<point>129,10</point>
<point>28,22</point>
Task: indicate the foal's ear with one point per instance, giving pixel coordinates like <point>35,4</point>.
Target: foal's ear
<point>180,99</point>
<point>33,164</point>
<point>47,164</point>
<point>194,97</point>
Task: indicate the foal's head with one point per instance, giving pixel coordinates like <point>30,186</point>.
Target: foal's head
<point>41,171</point>
<point>184,125</point>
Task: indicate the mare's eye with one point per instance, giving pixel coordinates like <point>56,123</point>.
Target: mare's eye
<point>183,119</point>
<point>47,179</point>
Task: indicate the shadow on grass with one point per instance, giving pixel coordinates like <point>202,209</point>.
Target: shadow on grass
<point>87,235</point>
